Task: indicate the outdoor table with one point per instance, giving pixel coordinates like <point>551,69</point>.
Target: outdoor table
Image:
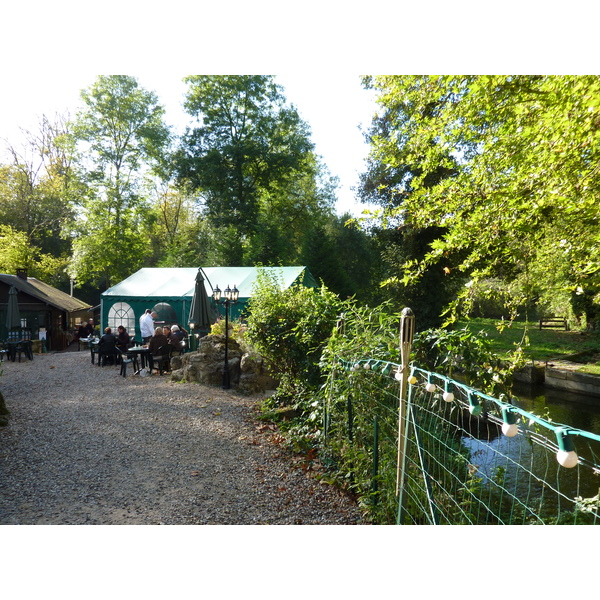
<point>143,353</point>
<point>84,343</point>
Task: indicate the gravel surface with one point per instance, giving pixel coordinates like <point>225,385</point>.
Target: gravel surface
<point>87,446</point>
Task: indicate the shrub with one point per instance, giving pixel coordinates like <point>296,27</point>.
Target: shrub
<point>290,327</point>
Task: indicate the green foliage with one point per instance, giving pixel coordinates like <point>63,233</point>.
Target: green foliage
<point>17,252</point>
<point>290,327</point>
<point>123,134</point>
<point>521,201</point>
<point>467,355</point>
<point>252,164</point>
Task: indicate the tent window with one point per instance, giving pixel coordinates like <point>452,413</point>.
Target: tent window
<point>120,313</point>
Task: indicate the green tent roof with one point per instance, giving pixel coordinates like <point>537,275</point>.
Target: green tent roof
<point>165,283</point>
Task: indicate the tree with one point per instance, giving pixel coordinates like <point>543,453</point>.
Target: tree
<point>122,137</point>
<point>343,256</point>
<point>526,153</point>
<point>16,252</point>
<point>37,191</point>
<point>400,242</point>
<point>247,158</point>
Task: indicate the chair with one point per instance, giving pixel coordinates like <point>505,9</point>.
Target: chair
<point>25,347</point>
<point>95,349</point>
<point>106,351</point>
<point>4,352</point>
<point>162,358</point>
<point>128,359</point>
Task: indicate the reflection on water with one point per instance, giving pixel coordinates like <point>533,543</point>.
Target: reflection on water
<point>527,468</point>
<point>579,411</point>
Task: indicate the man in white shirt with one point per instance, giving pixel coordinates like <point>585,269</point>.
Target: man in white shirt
<point>146,326</point>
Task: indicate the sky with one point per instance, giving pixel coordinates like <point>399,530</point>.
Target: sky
<point>316,50</point>
<point>335,105</point>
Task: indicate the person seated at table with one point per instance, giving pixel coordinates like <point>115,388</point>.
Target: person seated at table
<point>175,336</point>
<point>122,338</point>
<point>157,340</point>
<point>107,347</point>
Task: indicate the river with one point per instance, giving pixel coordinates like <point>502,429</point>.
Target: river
<point>579,411</point>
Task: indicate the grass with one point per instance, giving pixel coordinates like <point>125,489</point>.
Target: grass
<point>540,345</point>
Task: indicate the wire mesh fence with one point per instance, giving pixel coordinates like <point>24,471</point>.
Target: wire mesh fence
<point>464,458</point>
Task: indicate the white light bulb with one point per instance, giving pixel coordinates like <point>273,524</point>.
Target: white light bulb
<point>448,396</point>
<point>367,366</point>
<point>567,459</point>
<point>430,387</point>
<point>412,380</point>
<point>356,367</point>
<point>398,376</point>
<point>510,429</point>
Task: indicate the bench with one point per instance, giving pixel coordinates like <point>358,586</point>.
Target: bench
<point>554,323</point>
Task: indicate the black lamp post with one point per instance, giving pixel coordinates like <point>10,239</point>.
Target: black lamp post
<point>231,297</point>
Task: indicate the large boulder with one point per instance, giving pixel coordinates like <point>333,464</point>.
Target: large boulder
<point>247,371</point>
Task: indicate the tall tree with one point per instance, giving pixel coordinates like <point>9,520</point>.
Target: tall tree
<point>37,191</point>
<point>527,151</point>
<point>122,137</point>
<point>389,185</point>
<point>247,147</point>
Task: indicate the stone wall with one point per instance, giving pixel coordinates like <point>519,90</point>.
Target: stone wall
<point>248,372</point>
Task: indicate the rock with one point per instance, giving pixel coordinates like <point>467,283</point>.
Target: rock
<point>247,371</point>
<point>4,412</point>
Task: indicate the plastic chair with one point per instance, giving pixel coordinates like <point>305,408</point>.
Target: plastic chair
<point>108,352</point>
<point>162,358</point>
<point>128,359</point>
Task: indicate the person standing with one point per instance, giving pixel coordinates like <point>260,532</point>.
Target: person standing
<point>146,326</point>
<point>90,328</point>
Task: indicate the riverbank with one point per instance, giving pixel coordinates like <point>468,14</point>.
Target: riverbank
<point>565,375</point>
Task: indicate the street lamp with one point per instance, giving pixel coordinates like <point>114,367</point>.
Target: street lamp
<point>231,297</point>
<point>192,335</point>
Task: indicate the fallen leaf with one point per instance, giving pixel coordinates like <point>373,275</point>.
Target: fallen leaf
<point>195,473</point>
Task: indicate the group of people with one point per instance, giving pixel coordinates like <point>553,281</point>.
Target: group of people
<point>153,337</point>
<point>166,335</point>
<point>85,330</point>
<point>156,337</point>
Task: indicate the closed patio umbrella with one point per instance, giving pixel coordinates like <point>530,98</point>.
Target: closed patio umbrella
<point>200,313</point>
<point>13,316</point>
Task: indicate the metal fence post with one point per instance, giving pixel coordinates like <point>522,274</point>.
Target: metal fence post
<point>375,485</point>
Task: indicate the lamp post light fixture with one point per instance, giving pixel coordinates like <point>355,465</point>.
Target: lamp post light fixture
<point>192,336</point>
<point>231,297</point>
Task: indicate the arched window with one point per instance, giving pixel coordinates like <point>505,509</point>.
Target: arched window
<point>120,313</point>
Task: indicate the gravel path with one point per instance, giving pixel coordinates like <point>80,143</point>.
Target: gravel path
<point>86,446</point>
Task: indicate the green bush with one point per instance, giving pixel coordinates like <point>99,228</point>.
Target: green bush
<point>290,327</point>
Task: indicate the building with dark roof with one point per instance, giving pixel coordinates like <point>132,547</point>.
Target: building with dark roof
<point>45,311</point>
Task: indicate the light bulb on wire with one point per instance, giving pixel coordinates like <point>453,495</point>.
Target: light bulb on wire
<point>509,425</point>
<point>566,455</point>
